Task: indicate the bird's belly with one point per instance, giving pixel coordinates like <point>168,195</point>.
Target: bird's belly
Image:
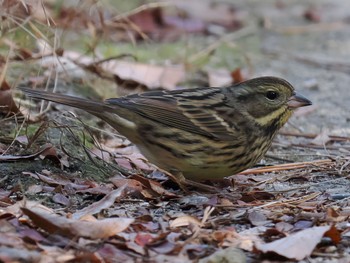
<point>197,157</point>
<point>195,161</point>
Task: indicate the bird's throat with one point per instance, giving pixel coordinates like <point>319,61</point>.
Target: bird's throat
<point>281,114</point>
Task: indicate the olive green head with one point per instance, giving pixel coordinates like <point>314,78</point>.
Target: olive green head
<point>267,99</point>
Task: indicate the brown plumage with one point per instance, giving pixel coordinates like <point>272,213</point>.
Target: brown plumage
<point>204,133</point>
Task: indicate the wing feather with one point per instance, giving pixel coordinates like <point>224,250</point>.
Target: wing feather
<point>192,111</point>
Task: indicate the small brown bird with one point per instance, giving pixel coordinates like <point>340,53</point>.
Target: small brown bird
<point>203,133</point>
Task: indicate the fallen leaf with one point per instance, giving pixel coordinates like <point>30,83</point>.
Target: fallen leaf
<point>12,158</point>
<point>237,76</point>
<point>55,224</point>
<point>34,189</point>
<point>142,239</point>
<point>131,184</point>
<point>296,246</point>
<point>151,76</point>
<point>245,239</point>
<point>61,199</point>
<point>134,161</point>
<point>104,203</point>
<point>321,139</point>
<point>108,252</point>
<point>7,104</point>
<point>185,221</point>
<point>153,186</point>
<point>257,218</point>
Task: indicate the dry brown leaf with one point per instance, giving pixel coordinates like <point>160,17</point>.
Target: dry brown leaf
<point>134,160</point>
<point>334,216</point>
<point>237,76</point>
<point>50,179</point>
<point>131,184</point>
<point>186,221</point>
<point>16,208</point>
<point>151,76</point>
<point>7,104</point>
<point>104,203</point>
<point>129,74</point>
<point>34,189</point>
<point>11,158</point>
<point>296,246</point>
<point>245,239</point>
<point>151,187</point>
<point>52,223</point>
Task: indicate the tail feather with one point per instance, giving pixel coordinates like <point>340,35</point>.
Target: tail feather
<point>94,107</point>
<point>119,118</point>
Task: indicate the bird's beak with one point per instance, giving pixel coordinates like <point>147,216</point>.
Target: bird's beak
<point>297,101</point>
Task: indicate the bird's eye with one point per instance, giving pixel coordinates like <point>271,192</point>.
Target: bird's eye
<point>271,95</point>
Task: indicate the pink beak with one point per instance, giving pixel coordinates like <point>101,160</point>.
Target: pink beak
<point>297,101</point>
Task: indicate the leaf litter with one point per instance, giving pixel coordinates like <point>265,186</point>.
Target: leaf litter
<point>295,210</point>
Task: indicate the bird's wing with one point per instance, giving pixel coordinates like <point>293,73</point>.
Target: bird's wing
<point>196,111</point>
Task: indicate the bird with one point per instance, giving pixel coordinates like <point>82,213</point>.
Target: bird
<point>203,133</point>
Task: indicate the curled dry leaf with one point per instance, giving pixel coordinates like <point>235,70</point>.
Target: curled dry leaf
<point>52,223</point>
<point>299,245</point>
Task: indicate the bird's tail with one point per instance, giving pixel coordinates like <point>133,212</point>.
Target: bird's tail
<point>118,117</point>
<point>91,106</point>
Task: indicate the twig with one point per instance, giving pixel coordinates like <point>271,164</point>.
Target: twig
<point>286,166</point>
<point>311,28</point>
<point>313,135</point>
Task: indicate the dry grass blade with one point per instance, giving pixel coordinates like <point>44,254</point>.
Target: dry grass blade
<point>286,166</point>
